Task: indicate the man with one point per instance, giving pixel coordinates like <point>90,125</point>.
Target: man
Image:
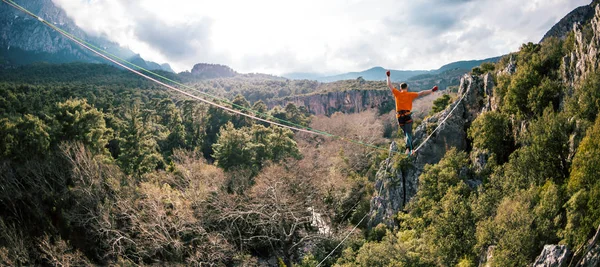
<point>404,100</point>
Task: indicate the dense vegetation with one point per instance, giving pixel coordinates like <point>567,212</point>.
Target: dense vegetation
<point>98,166</point>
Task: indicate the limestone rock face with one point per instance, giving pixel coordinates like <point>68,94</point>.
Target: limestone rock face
<point>488,88</point>
<point>553,256</point>
<point>399,186</point>
<point>326,104</point>
<point>390,187</point>
<point>585,59</point>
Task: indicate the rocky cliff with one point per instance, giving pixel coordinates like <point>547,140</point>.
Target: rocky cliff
<point>208,71</point>
<point>344,101</point>
<point>585,58</point>
<point>396,186</point>
<point>24,40</point>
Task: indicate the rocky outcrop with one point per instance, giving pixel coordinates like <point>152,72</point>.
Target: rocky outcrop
<point>592,255</point>
<point>491,103</point>
<point>397,186</point>
<point>584,60</point>
<point>343,101</point>
<point>560,255</point>
<point>553,256</point>
<point>390,184</point>
<point>208,71</point>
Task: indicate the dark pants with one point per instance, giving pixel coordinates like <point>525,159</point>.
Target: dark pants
<point>406,125</point>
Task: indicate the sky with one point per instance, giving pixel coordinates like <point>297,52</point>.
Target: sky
<point>318,36</point>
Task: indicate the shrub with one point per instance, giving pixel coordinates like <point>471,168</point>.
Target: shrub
<point>492,131</point>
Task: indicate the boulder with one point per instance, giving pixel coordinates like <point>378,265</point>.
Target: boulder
<point>553,256</point>
<point>485,259</point>
<point>349,101</point>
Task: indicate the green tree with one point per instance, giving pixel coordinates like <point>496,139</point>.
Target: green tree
<point>174,130</point>
<point>487,67</point>
<point>435,181</point>
<point>216,118</point>
<point>261,111</point>
<point>250,147</point>
<point>477,71</point>
<point>544,154</point>
<point>241,104</point>
<point>443,204</point>
<point>233,149</point>
<point>260,106</point>
<point>451,234</point>
<point>583,186</point>
<point>295,115</point>
<point>194,120</point>
<point>524,80</point>
<point>548,93</point>
<point>513,232</point>
<point>139,151</point>
<point>440,104</point>
<point>585,102</point>
<point>492,131</point>
<point>23,137</point>
<point>79,121</point>
<point>291,113</point>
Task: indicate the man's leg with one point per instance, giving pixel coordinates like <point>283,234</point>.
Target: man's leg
<point>407,128</point>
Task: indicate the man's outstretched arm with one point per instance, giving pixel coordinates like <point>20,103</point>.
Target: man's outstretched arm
<point>427,92</point>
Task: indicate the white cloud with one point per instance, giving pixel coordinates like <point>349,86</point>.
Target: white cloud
<point>318,36</point>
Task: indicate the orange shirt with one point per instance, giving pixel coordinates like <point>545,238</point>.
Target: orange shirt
<point>404,99</point>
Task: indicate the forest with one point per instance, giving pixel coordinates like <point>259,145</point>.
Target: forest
<point>99,167</point>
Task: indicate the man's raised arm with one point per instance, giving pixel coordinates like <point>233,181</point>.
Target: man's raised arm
<point>389,82</point>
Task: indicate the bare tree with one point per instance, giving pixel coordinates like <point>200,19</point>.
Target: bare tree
<point>274,215</point>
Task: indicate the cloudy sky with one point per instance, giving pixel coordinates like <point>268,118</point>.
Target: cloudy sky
<point>326,36</point>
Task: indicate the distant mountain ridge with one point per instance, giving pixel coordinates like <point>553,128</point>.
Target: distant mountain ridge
<point>24,40</point>
<point>378,73</point>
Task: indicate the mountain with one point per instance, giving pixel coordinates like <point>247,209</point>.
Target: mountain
<point>373,74</point>
<point>24,40</point>
<point>377,73</point>
<point>580,15</point>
